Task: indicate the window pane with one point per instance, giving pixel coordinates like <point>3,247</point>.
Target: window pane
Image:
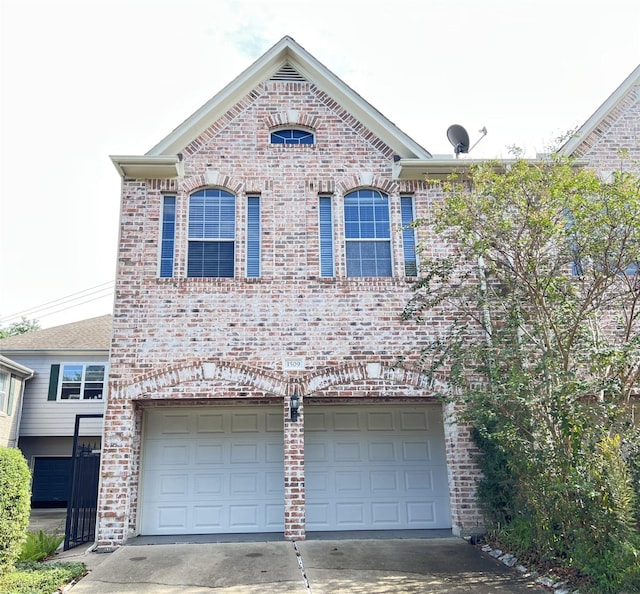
<point>326,236</point>
<point>366,217</point>
<point>368,258</point>
<point>94,373</point>
<point>210,259</point>
<point>408,237</point>
<point>212,215</point>
<point>292,137</point>
<point>93,391</point>
<point>253,236</point>
<point>72,373</point>
<point>70,391</point>
<point>167,246</point>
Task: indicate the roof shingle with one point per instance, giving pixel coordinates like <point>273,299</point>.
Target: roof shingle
<point>91,334</point>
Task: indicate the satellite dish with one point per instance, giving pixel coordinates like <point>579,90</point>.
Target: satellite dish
<point>459,138</point>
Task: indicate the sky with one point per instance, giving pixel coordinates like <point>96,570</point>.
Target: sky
<point>83,80</point>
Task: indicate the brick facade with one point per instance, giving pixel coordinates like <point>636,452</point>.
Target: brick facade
<point>193,341</point>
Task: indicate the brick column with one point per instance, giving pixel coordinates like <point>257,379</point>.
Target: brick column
<point>294,495</point>
<point>463,473</point>
<point>114,494</point>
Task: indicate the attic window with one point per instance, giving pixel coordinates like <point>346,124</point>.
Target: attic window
<point>292,136</point>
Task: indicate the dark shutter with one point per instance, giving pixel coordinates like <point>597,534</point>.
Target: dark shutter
<point>53,382</point>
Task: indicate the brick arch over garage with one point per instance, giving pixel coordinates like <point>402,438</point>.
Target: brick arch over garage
<point>366,371</point>
<point>202,371</point>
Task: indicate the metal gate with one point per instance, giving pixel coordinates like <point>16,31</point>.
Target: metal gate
<point>83,501</point>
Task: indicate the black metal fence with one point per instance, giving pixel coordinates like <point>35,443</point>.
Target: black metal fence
<point>83,501</point>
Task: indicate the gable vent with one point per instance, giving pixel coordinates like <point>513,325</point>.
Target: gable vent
<point>287,73</point>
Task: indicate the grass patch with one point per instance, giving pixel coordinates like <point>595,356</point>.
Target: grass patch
<point>40,578</point>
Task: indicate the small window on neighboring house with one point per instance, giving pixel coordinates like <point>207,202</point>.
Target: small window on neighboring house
<point>253,236</point>
<point>77,381</point>
<point>292,136</point>
<point>211,251</point>
<point>367,233</point>
<point>325,215</point>
<point>168,236</point>
<point>4,392</point>
<point>408,237</point>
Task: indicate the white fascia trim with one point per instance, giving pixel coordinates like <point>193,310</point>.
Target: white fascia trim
<point>148,167</point>
<point>576,139</point>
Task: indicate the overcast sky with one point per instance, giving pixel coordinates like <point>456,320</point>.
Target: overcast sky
<point>84,80</point>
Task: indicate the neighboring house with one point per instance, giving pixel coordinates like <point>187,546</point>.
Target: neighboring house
<point>70,364</point>
<point>12,382</point>
<point>261,376</point>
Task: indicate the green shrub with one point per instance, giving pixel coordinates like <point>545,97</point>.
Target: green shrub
<point>40,578</point>
<point>15,505</point>
<point>40,545</point>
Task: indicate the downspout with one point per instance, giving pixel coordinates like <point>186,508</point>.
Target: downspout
<point>19,415</point>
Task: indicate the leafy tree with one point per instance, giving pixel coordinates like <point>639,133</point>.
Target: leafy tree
<point>21,327</point>
<point>543,284</point>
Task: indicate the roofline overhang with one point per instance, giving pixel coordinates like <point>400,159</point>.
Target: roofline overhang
<point>23,352</point>
<point>22,370</point>
<point>441,169</point>
<point>148,166</point>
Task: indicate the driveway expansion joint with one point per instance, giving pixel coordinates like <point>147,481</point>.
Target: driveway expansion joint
<point>301,565</point>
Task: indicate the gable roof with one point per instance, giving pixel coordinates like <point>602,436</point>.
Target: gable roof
<point>93,334</point>
<point>286,60</point>
<point>603,118</point>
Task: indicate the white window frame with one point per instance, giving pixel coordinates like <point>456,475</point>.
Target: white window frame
<point>83,381</point>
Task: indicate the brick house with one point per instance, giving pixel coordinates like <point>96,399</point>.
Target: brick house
<point>263,265</point>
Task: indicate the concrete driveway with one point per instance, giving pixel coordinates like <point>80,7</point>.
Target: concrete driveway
<point>438,566</point>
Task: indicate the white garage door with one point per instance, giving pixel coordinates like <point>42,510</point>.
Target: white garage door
<point>375,468</point>
<point>211,470</point>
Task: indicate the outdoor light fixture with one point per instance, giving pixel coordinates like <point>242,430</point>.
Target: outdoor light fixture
<point>294,405</point>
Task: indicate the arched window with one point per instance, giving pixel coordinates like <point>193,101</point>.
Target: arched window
<point>212,228</point>
<point>367,233</point>
<point>292,136</point>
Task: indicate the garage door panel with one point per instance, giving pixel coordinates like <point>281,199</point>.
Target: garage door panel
<point>419,480</point>
<point>209,484</point>
<point>348,481</point>
<point>413,451</point>
<point>347,451</point>
<point>176,424</point>
<point>346,421</point>
<point>383,481</point>
<point>385,514</point>
<point>172,518</point>
<point>382,452</point>
<point>414,421</point>
<point>210,423</point>
<point>379,421</point>
<point>208,517</point>
<point>378,467</point>
<point>316,452</point>
<point>209,453</point>
<point>225,475</point>
<point>350,516</point>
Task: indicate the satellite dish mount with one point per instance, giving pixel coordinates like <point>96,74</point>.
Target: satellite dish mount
<point>459,138</point>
